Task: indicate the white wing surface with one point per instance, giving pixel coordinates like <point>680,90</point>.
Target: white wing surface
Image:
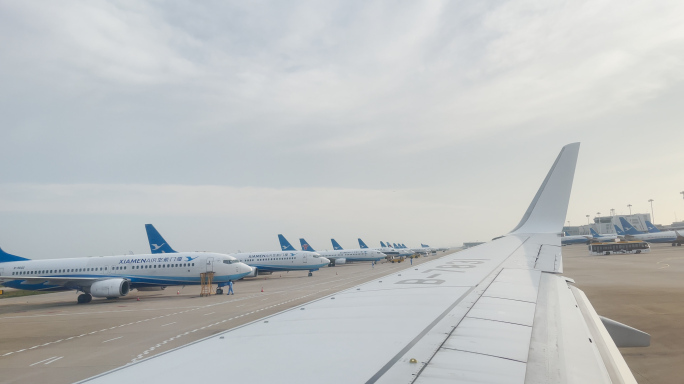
<point>496,313</point>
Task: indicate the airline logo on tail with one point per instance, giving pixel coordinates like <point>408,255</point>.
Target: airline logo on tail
<point>362,244</point>
<point>619,231</point>
<point>306,246</point>
<point>157,242</point>
<point>336,246</point>
<point>652,228</point>
<point>156,247</point>
<point>628,228</point>
<point>284,244</point>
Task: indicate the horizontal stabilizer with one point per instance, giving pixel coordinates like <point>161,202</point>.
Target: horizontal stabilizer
<point>546,213</point>
<point>6,257</point>
<point>624,335</point>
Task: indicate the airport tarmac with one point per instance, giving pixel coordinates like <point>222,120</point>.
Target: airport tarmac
<point>644,291</point>
<point>50,338</point>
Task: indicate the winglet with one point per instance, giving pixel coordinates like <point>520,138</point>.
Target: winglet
<point>284,244</point>
<point>157,242</point>
<point>336,246</point>
<point>6,257</point>
<point>305,246</point>
<point>362,244</point>
<point>546,213</point>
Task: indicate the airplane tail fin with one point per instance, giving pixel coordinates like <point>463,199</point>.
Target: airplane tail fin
<point>424,245</point>
<point>546,213</point>
<point>6,257</point>
<point>594,233</point>
<point>651,228</point>
<point>362,244</point>
<point>336,246</point>
<point>157,242</point>
<point>284,244</point>
<point>305,245</point>
<point>619,230</point>
<point>628,228</point>
<point>382,244</point>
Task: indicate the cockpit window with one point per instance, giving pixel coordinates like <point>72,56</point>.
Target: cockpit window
<point>227,261</point>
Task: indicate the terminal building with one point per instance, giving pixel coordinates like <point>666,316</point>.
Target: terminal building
<point>605,224</point>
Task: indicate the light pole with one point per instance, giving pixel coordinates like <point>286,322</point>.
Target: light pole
<point>630,209</point>
<point>652,215</point>
<point>587,219</point>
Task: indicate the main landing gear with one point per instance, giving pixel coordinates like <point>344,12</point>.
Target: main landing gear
<point>219,291</point>
<point>310,273</point>
<point>85,298</point>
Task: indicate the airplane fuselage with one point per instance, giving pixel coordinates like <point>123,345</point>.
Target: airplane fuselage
<point>283,260</point>
<point>152,270</point>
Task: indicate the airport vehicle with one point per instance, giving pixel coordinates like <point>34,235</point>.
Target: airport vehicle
<point>620,247</point>
<point>341,256</point>
<point>595,236</point>
<point>114,276</point>
<point>577,239</point>
<point>632,233</point>
<point>501,312</point>
<point>386,250</point>
<point>260,262</point>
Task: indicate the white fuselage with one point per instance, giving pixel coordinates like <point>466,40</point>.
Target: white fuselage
<point>152,270</point>
<point>283,260</point>
<point>658,237</point>
<point>362,254</point>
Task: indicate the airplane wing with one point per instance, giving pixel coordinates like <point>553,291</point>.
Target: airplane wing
<point>500,312</point>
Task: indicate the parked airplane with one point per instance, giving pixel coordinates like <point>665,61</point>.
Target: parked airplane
<point>260,262</point>
<point>386,250</point>
<point>501,312</point>
<point>341,256</point>
<point>114,276</point>
<point>576,239</point>
<point>619,231</point>
<point>595,236</point>
<point>632,233</point>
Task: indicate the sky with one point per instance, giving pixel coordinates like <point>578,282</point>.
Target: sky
<point>224,123</point>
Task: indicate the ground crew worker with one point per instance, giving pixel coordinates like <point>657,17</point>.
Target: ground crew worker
<point>230,288</point>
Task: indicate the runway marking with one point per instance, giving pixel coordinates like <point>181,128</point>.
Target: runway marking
<point>52,361</point>
<point>210,313</point>
<point>168,324</point>
<point>116,338</point>
<point>49,358</point>
<point>669,258</point>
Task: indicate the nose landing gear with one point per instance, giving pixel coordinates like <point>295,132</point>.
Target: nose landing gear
<point>310,274</point>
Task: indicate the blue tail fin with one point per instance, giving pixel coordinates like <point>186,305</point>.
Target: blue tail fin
<point>618,230</point>
<point>566,233</point>
<point>284,244</point>
<point>305,246</point>
<point>593,233</point>
<point>157,242</point>
<point>389,245</point>
<point>6,257</point>
<point>382,244</point>
<point>424,245</point>
<point>336,246</point>
<point>394,245</point>
<point>362,244</point>
<point>651,228</point>
<point>628,228</point>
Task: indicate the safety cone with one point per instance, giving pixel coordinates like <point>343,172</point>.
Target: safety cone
<point>138,298</point>
<point>262,289</point>
<point>178,292</point>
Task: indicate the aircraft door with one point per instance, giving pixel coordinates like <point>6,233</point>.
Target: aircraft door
<point>305,259</point>
<point>210,264</point>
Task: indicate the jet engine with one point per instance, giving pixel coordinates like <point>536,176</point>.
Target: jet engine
<point>110,288</point>
<point>254,273</point>
<point>339,261</point>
